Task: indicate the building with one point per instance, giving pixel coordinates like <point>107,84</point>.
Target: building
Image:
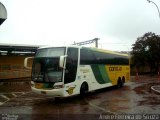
<point>12,60</point>
<point>12,56</point>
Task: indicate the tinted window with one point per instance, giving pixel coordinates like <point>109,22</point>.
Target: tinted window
<point>112,59</point>
<point>47,70</point>
<point>71,65</point>
<point>89,56</point>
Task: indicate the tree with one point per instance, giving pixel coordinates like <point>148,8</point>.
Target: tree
<point>146,51</point>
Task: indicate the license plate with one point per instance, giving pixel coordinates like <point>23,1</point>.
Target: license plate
<point>43,92</point>
<point>39,85</point>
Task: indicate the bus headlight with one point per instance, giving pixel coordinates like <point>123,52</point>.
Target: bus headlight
<point>58,86</point>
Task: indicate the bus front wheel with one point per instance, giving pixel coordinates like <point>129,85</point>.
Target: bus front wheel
<point>84,89</point>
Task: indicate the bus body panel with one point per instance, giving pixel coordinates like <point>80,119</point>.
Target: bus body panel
<point>116,71</point>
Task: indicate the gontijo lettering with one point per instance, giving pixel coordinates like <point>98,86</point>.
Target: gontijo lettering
<point>115,68</point>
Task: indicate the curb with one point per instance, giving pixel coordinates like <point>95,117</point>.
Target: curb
<point>156,88</point>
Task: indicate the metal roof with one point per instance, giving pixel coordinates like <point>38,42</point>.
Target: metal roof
<point>17,49</point>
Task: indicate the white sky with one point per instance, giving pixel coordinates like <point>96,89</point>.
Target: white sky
<point>117,23</point>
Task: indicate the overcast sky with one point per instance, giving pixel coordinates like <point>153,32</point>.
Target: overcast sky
<point>117,23</point>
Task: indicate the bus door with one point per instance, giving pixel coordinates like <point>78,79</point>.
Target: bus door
<point>71,70</point>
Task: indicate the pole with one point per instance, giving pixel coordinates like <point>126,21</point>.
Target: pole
<point>155,5</point>
<point>96,42</point>
<point>88,42</point>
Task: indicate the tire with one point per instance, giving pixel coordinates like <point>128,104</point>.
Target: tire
<point>123,81</point>
<point>84,89</point>
<point>119,83</point>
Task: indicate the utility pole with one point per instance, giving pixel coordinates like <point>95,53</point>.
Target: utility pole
<point>88,42</point>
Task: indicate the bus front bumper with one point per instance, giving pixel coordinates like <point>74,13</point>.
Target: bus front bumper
<point>52,92</point>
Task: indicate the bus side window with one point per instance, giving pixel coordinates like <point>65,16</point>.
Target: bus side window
<point>71,65</point>
<point>87,57</point>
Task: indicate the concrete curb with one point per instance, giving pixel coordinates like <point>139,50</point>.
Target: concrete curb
<point>156,88</point>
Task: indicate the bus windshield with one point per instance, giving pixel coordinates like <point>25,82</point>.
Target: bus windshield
<point>46,65</point>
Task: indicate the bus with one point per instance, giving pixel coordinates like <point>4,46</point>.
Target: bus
<point>73,70</point>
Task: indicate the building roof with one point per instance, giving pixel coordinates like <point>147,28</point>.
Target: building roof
<point>14,49</point>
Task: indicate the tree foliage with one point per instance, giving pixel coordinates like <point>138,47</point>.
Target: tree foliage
<point>146,51</point>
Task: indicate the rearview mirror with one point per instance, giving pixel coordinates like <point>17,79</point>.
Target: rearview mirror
<point>61,61</point>
<point>28,61</point>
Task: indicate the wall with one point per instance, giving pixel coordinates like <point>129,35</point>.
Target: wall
<point>13,67</point>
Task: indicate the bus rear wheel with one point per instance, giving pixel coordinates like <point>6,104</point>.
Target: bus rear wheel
<point>123,81</point>
<point>84,89</point>
<point>120,83</point>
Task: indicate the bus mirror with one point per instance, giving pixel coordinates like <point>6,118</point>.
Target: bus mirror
<point>28,61</point>
<point>61,61</point>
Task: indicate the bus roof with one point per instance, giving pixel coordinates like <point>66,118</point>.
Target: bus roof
<point>91,48</point>
<point>107,51</point>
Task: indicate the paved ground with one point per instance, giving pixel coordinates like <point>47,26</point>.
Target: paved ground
<point>135,98</point>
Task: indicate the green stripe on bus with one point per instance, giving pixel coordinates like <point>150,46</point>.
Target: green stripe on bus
<point>97,74</point>
<point>100,74</point>
<point>104,73</point>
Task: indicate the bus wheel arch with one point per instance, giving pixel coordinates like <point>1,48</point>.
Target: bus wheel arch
<point>84,88</point>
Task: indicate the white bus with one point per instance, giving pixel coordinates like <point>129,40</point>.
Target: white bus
<point>72,70</point>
